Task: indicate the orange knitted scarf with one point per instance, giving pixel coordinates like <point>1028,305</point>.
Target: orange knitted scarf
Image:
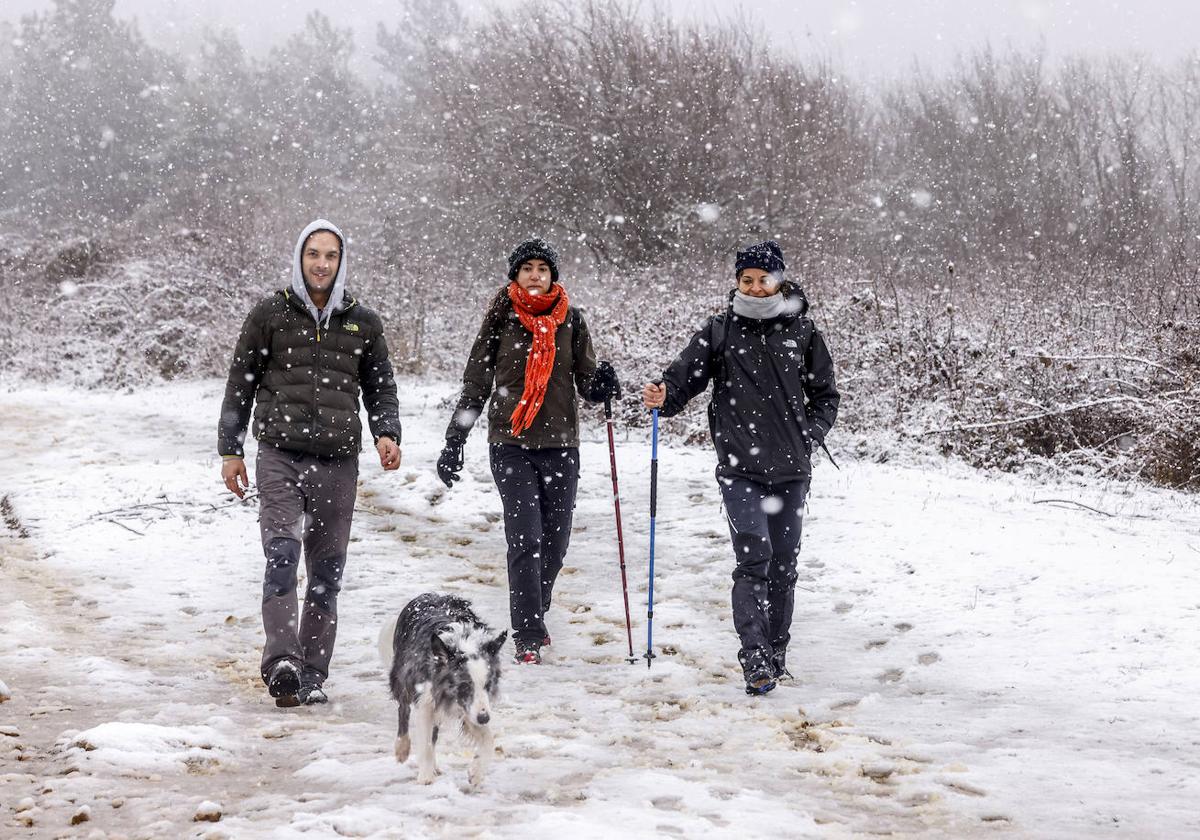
<point>541,315</point>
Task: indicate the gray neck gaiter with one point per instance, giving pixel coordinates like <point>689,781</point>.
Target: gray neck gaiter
<point>758,308</point>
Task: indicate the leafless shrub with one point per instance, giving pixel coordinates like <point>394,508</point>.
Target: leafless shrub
<point>147,204</point>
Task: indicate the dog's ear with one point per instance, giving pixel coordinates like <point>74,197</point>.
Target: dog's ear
<point>438,645</point>
<point>493,646</point>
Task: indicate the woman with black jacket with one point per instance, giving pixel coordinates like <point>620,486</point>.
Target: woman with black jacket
<point>532,354</point>
<point>774,400</point>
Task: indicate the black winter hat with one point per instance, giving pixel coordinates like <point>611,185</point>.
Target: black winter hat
<point>533,249</point>
<point>767,256</point>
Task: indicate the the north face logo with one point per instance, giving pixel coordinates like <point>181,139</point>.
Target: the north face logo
<point>354,327</point>
<point>787,342</point>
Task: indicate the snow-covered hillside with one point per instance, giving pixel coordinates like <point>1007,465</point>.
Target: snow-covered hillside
<point>977,654</point>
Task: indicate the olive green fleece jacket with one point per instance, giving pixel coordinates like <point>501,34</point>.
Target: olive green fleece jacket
<point>496,369</point>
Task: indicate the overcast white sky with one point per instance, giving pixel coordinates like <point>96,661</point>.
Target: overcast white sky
<point>866,37</point>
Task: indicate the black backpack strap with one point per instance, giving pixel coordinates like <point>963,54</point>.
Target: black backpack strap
<point>829,455</point>
<point>720,340</point>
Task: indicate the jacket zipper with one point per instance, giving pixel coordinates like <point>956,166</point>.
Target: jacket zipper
<point>316,385</point>
<point>798,414</point>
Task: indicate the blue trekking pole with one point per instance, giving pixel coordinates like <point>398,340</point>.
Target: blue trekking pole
<point>653,514</point>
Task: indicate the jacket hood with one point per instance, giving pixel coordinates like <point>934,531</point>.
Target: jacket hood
<point>796,296</point>
<point>338,293</point>
<point>796,302</point>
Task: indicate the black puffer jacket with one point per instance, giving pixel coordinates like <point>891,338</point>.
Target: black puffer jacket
<point>305,379</point>
<point>496,369</point>
<point>774,397</point>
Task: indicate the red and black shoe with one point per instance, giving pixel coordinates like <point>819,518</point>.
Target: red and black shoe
<point>528,653</point>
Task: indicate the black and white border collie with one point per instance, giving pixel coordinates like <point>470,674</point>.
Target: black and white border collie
<point>445,669</point>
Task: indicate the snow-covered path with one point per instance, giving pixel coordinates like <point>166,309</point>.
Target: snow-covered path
<point>973,660</point>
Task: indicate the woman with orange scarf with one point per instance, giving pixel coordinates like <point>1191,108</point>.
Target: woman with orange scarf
<point>532,355</point>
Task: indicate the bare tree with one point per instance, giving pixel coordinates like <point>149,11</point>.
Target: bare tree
<point>1176,127</point>
<point>89,109</point>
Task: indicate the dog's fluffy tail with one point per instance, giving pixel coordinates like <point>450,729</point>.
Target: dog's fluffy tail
<point>386,635</point>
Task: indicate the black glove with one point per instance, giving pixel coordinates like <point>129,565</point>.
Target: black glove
<point>449,463</point>
<point>605,385</point>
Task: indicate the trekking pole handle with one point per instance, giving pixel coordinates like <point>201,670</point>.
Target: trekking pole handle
<point>654,467</point>
<point>654,458</point>
<point>654,488</point>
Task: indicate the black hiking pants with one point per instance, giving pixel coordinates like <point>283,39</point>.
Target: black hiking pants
<point>765,522</point>
<point>304,501</point>
<point>537,488</point>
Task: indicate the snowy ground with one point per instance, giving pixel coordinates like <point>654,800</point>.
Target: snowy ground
<point>974,659</point>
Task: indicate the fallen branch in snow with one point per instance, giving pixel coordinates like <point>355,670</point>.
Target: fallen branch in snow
<point>128,509</point>
<point>249,497</point>
<point>126,527</point>
<point>149,512</point>
<point>161,507</point>
<point>1072,502</point>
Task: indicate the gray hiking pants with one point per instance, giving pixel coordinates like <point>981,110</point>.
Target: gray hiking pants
<point>303,500</point>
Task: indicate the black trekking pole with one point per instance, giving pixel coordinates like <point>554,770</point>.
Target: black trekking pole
<point>653,513</point>
<point>612,460</point>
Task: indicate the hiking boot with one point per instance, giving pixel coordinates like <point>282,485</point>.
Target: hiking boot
<point>759,684</point>
<point>283,681</point>
<point>756,668</point>
<point>528,653</point>
<point>310,694</point>
<point>779,667</point>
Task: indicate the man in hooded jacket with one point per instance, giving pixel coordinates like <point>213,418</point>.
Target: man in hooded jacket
<point>773,401</point>
<point>303,356</point>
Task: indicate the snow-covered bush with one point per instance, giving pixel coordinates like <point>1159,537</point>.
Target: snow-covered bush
<point>146,203</point>
<point>1010,367</point>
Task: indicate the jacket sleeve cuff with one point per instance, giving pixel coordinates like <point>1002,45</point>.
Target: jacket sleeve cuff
<point>394,434</point>
<point>671,404</point>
